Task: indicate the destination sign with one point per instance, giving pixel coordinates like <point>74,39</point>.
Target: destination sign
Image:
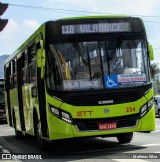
<point>96,28</point>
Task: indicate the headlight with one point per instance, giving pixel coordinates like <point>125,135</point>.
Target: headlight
<point>61,114</point>
<point>54,111</point>
<point>145,108</point>
<point>150,104</point>
<point>66,117</point>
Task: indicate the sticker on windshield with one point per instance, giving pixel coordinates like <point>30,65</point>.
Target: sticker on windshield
<point>81,84</point>
<point>115,81</point>
<point>111,81</point>
<point>130,79</point>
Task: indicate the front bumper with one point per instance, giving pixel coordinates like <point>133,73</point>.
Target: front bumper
<point>59,129</point>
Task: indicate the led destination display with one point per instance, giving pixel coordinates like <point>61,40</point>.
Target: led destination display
<point>96,28</point>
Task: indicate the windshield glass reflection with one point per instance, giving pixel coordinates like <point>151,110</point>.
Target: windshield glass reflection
<point>94,65</point>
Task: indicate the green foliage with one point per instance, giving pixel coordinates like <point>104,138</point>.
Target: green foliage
<point>154,70</point>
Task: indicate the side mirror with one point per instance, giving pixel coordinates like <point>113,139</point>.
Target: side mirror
<point>151,53</point>
<point>41,61</point>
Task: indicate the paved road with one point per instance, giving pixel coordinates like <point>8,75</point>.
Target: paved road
<point>84,150</point>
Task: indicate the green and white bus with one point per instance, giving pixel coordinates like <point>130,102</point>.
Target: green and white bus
<point>82,77</point>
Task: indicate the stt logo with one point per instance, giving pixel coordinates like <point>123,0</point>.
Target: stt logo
<point>84,113</point>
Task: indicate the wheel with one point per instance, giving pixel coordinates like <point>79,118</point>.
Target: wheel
<point>18,133</point>
<point>125,137</point>
<point>42,143</point>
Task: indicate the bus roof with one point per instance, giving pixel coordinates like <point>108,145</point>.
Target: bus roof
<point>95,17</point>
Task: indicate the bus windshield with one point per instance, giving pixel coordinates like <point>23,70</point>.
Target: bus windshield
<point>97,65</point>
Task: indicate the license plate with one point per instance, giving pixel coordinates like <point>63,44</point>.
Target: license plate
<point>107,126</point>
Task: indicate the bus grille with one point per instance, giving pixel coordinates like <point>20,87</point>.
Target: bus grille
<point>93,99</point>
<point>92,124</point>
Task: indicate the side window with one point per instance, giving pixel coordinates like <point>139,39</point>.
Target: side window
<point>7,77</point>
<point>25,67</point>
<point>14,73</point>
<point>10,76</point>
<point>11,72</point>
<point>32,63</point>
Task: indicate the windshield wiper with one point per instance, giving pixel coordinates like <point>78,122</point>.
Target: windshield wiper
<point>108,65</point>
<point>116,47</point>
<point>84,55</point>
<point>81,52</point>
<point>109,58</point>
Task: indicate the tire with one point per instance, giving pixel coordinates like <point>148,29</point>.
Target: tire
<point>18,133</point>
<point>42,143</point>
<point>125,137</point>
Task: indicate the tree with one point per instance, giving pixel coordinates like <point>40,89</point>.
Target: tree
<point>154,70</point>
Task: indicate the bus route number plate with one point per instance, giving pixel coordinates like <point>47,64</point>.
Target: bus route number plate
<point>107,126</point>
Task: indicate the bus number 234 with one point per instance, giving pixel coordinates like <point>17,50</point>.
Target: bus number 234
<point>130,109</point>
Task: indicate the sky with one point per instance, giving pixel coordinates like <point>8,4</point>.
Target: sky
<point>24,21</point>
